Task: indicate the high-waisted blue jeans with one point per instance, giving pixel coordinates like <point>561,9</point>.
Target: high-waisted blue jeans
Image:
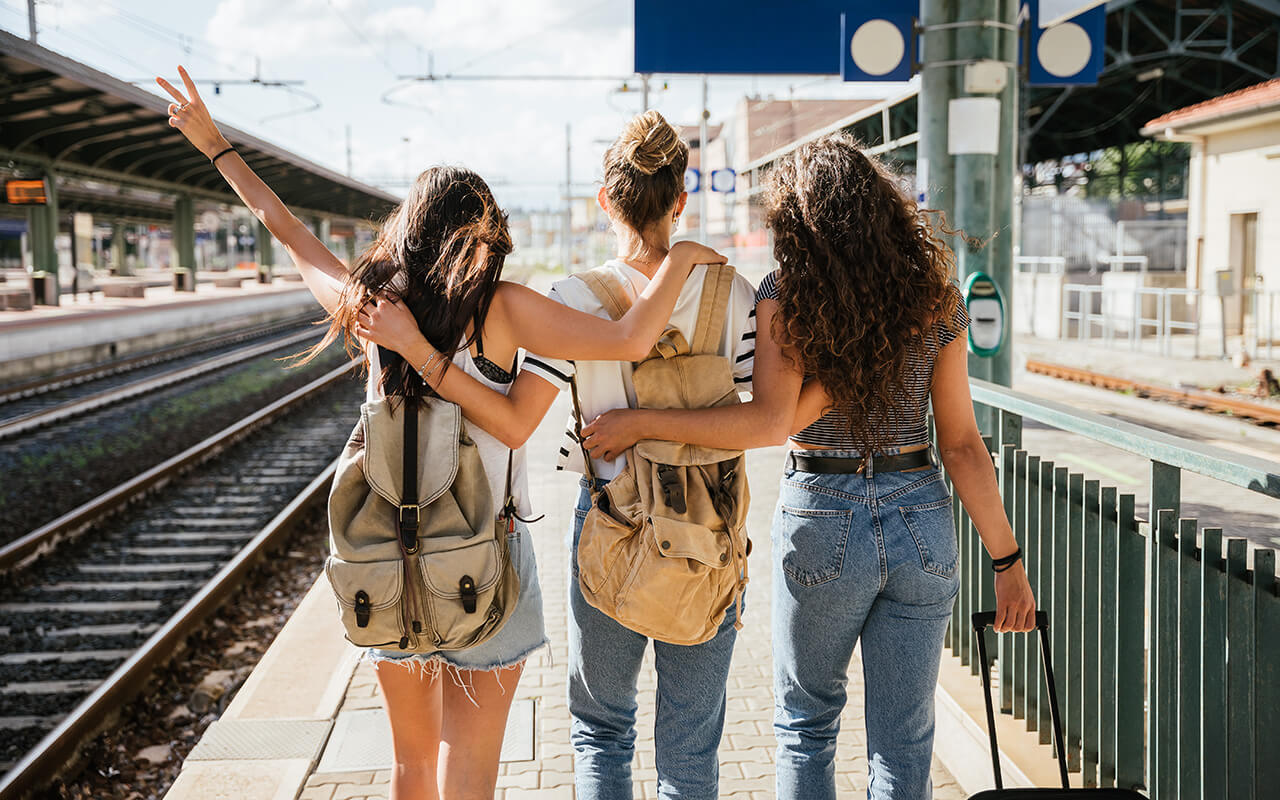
<point>870,559</point>
<point>604,665</point>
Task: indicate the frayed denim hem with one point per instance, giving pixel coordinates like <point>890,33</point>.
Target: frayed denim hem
<point>430,665</point>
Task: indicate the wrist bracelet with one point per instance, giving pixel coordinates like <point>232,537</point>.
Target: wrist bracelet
<point>426,365</point>
<point>1006,562</point>
<point>439,367</point>
<point>222,153</point>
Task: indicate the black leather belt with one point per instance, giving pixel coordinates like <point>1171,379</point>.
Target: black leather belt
<point>803,462</point>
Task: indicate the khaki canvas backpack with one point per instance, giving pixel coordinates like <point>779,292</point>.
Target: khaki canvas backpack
<point>418,561</point>
<point>664,547</point>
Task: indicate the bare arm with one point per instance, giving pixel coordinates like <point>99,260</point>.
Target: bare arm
<point>543,326</point>
<point>321,270</point>
<point>968,464</point>
<point>765,420</point>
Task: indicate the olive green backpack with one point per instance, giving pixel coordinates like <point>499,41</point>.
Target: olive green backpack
<point>418,561</point>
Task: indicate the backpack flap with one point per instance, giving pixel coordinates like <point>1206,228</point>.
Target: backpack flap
<point>439,423</point>
<point>679,539</point>
<point>690,381</point>
<point>368,596</point>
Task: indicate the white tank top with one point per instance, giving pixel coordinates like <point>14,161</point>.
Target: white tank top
<point>493,453</point>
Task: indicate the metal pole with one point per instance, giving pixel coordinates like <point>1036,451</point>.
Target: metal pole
<point>702,165</point>
<point>31,21</point>
<point>566,229</point>
<point>644,92</point>
<point>934,168</point>
<point>348,151</point>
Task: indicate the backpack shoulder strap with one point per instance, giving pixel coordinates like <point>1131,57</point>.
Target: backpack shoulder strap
<point>608,290</point>
<point>713,307</point>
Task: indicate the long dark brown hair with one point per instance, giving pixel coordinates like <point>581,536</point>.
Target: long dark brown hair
<point>427,252</point>
<point>864,278</point>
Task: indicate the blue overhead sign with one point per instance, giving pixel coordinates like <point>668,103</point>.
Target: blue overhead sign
<point>879,46</point>
<point>1067,53</point>
<point>692,180</point>
<point>751,37</point>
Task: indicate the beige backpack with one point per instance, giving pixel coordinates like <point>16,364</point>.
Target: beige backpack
<point>418,561</point>
<point>664,547</point>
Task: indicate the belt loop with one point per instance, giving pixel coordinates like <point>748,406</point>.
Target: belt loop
<point>791,461</point>
<point>869,466</point>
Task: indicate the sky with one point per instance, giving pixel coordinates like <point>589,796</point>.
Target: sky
<point>353,57</point>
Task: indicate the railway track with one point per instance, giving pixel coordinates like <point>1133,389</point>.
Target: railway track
<point>83,628</point>
<point>38,404</point>
<point>1209,401</point>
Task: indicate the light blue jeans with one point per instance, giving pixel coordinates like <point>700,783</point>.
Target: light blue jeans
<point>869,558</point>
<point>604,665</point>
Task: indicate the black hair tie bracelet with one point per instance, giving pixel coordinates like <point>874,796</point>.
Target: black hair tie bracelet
<point>1006,562</point>
<point>214,160</point>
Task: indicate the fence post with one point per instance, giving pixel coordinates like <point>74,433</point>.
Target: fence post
<point>1213,677</point>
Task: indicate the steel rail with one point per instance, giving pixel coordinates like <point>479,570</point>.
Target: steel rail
<point>1194,399</point>
<point>59,747</point>
<point>72,377</point>
<point>44,539</point>
<point>74,408</point>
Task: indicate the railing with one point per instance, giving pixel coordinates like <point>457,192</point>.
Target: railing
<point>1107,319</point>
<point>1143,616</point>
<point>1263,304</point>
<point>1049,264</point>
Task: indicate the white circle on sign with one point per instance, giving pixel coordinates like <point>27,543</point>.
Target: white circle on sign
<point>692,179</point>
<point>1064,50</point>
<point>877,47</point>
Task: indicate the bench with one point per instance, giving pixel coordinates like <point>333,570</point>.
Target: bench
<point>234,282</point>
<point>16,298</point>
<point>125,288</point>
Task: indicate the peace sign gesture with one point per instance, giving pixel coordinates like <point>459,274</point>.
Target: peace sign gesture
<point>192,118</point>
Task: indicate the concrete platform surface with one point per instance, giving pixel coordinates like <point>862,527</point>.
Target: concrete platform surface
<point>310,658</point>
<point>80,332</point>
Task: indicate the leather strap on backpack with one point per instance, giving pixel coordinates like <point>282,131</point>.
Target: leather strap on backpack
<point>713,307</point>
<point>577,434</point>
<point>409,511</point>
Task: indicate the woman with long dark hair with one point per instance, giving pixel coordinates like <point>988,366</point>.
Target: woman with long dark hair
<point>862,312</point>
<point>643,194</point>
<point>438,260</point>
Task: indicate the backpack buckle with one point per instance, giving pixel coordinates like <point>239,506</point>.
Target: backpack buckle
<point>409,519</point>
<point>672,489</point>
<point>467,591</point>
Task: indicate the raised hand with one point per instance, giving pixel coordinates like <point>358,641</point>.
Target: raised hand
<point>612,433</point>
<point>190,116</point>
<point>694,253</point>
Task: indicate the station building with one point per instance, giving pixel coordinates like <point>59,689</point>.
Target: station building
<point>1233,218</point>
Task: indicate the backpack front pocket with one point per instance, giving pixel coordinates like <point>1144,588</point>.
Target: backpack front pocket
<point>461,576</point>
<point>369,597</point>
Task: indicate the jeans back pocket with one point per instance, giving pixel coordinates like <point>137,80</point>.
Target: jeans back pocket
<point>933,529</point>
<point>812,543</point>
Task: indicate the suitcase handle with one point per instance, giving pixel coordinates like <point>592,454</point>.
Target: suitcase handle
<point>982,620</point>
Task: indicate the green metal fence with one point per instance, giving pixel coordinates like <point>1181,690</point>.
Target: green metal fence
<point>1165,643</point>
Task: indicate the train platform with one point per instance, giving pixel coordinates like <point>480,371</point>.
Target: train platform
<point>92,329</point>
<point>309,722</point>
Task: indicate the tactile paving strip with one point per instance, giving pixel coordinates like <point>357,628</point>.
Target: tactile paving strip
<point>361,739</point>
<point>259,740</point>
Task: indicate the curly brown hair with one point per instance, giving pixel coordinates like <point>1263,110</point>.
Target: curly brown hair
<point>864,276</point>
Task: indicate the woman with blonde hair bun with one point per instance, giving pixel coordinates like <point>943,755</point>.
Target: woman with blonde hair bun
<point>643,194</point>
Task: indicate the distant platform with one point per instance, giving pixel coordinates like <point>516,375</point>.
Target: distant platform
<point>87,330</point>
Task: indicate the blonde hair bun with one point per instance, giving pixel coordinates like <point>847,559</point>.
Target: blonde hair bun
<point>649,143</point>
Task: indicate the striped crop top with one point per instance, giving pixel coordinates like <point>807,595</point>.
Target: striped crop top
<point>907,426</point>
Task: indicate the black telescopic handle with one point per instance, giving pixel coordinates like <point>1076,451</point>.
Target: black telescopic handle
<point>982,620</point>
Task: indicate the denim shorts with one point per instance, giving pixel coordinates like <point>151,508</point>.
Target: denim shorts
<point>520,636</point>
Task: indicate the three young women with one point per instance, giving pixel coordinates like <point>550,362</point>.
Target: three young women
<point>440,256</point>
<point>643,194</point>
<point>861,330</point>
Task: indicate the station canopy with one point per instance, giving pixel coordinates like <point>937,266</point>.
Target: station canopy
<point>1160,55</point>
<point>100,133</point>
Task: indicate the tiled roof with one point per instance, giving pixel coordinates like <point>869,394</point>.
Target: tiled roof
<point>1257,96</point>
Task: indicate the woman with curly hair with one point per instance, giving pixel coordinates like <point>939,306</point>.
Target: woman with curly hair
<point>860,329</point>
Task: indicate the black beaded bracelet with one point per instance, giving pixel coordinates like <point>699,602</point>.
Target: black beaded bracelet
<point>214,160</point>
<point>1006,562</point>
